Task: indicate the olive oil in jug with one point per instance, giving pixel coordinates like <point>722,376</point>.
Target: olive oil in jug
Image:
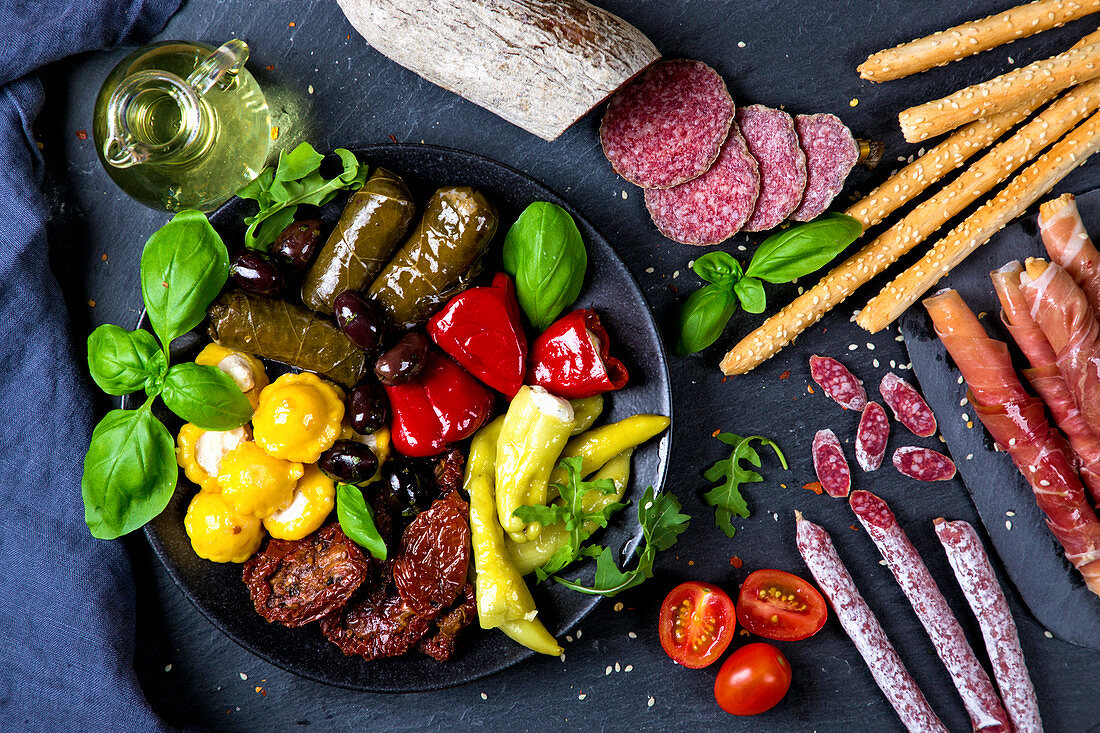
<point>182,125</point>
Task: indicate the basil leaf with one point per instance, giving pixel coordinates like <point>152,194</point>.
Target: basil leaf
<point>357,520</point>
<point>544,253</point>
<point>703,317</point>
<point>183,268</point>
<point>804,248</point>
<point>206,397</point>
<point>750,292</point>
<point>124,361</point>
<point>718,268</point>
<point>129,472</point>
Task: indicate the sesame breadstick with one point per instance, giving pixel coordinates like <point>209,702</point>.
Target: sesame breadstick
<point>1048,76</point>
<point>974,37</point>
<point>1024,190</point>
<point>874,257</point>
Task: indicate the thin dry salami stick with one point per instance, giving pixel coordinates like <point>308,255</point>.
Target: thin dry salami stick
<point>978,695</point>
<point>987,601</point>
<point>861,626</point>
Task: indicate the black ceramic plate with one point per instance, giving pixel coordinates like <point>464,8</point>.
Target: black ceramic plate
<point>1052,589</point>
<point>217,590</point>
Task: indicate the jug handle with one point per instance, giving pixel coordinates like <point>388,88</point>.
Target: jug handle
<point>220,67</point>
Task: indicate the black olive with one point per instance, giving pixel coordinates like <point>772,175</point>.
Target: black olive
<point>361,320</point>
<point>256,273</point>
<point>349,461</point>
<point>407,486</point>
<point>298,243</point>
<point>403,360</point>
<point>368,407</point>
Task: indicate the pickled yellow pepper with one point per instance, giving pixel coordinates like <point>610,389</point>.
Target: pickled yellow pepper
<point>599,445</point>
<point>535,430</point>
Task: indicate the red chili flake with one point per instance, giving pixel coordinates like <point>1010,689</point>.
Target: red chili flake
<point>715,433</point>
<point>736,562</point>
<point>853,527</point>
<point>347,38</point>
<point>103,257</point>
<point>673,288</point>
<point>724,379</point>
<point>292,24</point>
<point>81,134</point>
<point>270,67</point>
<point>742,632</point>
<point>814,486</point>
<point>393,138</point>
<point>91,303</point>
<point>809,388</point>
<point>785,375</point>
<point>691,562</point>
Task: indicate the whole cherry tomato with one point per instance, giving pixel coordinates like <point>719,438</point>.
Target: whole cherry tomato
<point>777,605</point>
<point>697,623</point>
<point>753,679</point>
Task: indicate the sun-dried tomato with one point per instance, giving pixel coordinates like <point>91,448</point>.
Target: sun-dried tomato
<point>296,582</point>
<point>441,644</point>
<point>430,569</point>
<point>376,627</point>
<point>448,471</point>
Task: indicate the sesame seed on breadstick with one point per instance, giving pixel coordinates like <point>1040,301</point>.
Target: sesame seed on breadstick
<point>1048,76</point>
<point>973,37</point>
<point>1024,190</point>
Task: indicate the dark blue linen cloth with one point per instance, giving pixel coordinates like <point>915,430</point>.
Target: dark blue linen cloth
<point>66,599</point>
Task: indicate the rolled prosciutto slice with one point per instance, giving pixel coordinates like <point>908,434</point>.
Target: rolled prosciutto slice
<point>1044,375</point>
<point>1068,244</point>
<point>1018,423</point>
<point>1063,313</point>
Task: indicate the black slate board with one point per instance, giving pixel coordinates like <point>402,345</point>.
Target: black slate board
<point>1052,589</point>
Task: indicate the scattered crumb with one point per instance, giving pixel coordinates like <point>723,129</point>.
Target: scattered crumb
<point>581,696</point>
<point>741,248</point>
<point>631,635</point>
<point>649,270</point>
<point>736,562</point>
<point>270,67</point>
<point>740,44</point>
<point>484,696</point>
<point>651,700</point>
<point>291,24</point>
<point>1048,635</point>
<point>809,388</point>
<point>619,606</point>
<point>853,103</point>
<point>103,257</point>
<point>91,304</point>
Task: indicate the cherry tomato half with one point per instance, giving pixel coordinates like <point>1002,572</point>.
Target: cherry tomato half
<point>753,679</point>
<point>697,624</point>
<point>777,605</point>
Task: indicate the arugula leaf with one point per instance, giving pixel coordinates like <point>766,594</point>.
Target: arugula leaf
<point>726,498</point>
<point>572,514</point>
<point>662,524</point>
<point>295,180</point>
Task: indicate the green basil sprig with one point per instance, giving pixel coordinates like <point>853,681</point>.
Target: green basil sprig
<point>296,179</point>
<point>130,467</point>
<point>357,520</point>
<point>782,257</point>
<point>544,253</point>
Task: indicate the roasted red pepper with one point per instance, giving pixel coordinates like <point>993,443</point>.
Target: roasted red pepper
<point>572,359</point>
<point>440,405</point>
<point>481,330</point>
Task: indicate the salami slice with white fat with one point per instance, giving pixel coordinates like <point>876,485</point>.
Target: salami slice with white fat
<point>1002,641</point>
<point>838,382</point>
<point>861,626</point>
<point>830,465</point>
<point>770,136</point>
<point>978,695</point>
<point>831,153</point>
<point>908,406</point>
<point>871,436</point>
<point>713,207</point>
<point>923,464</point>
<point>667,126</point>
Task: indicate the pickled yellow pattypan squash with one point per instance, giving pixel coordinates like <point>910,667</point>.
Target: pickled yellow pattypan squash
<point>379,442</point>
<point>219,532</point>
<point>298,417</point>
<point>200,452</point>
<point>254,482</point>
<point>314,497</point>
<point>246,371</point>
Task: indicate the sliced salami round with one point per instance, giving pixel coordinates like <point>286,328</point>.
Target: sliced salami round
<point>908,406</point>
<point>830,465</point>
<point>831,153</point>
<point>713,207</point>
<point>871,436</point>
<point>838,382</point>
<point>923,464</point>
<point>666,126</point>
<point>770,136</point>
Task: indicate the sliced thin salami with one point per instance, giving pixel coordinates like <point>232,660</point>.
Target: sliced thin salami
<point>830,465</point>
<point>838,382</point>
<point>908,406</point>
<point>871,436</point>
<point>923,464</point>
<point>831,153</point>
<point>770,136</point>
<point>713,207</point>
<point>667,126</point>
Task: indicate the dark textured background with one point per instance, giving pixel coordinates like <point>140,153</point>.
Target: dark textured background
<point>336,91</point>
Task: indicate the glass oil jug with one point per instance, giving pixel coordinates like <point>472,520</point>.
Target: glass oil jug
<point>182,125</point>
